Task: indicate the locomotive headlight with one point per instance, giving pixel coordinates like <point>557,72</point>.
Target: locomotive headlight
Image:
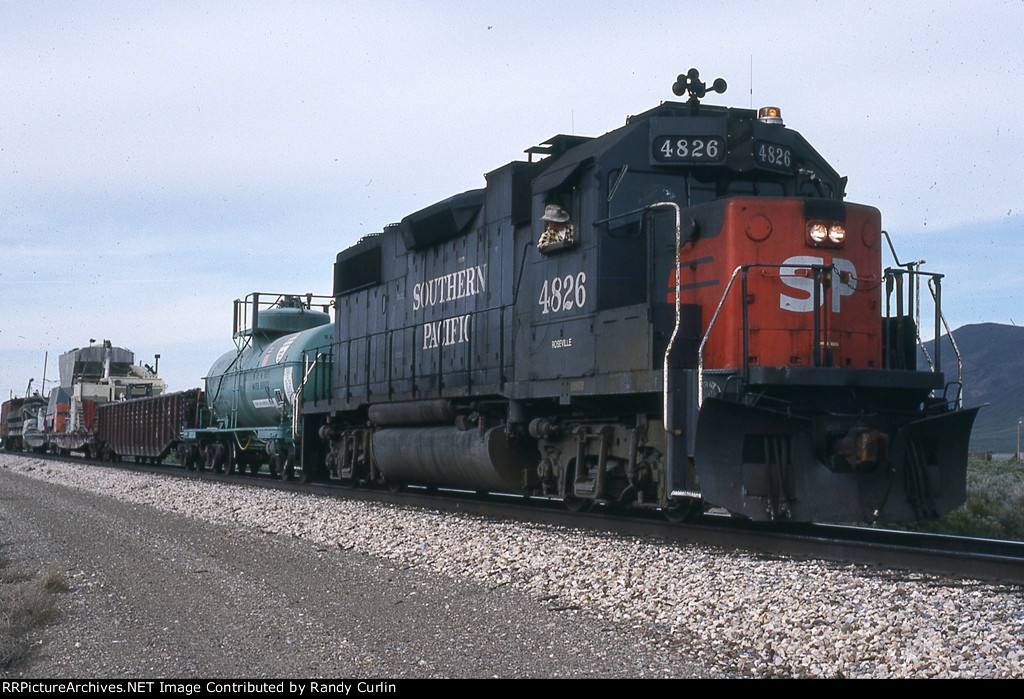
<point>826,234</point>
<point>817,232</point>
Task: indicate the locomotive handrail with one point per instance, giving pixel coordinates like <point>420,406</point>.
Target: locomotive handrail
<point>721,303</point>
<point>667,417</point>
<point>310,365</point>
<point>707,333</point>
<point>935,287</point>
<point>913,271</point>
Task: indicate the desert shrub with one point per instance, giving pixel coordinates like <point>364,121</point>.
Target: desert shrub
<point>995,503</point>
<point>27,600</point>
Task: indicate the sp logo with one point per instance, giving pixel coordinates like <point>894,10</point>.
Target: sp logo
<point>844,283</point>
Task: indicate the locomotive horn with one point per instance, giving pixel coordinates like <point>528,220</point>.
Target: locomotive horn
<point>692,83</point>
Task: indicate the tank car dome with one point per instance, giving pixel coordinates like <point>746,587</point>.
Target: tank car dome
<point>287,320</point>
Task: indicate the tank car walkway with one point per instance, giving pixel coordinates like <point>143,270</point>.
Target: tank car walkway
<point>158,594</point>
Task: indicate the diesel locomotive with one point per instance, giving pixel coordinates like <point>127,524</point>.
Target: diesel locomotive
<point>681,313</point>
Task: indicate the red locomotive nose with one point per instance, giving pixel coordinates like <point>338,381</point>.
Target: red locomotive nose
<point>793,275</point>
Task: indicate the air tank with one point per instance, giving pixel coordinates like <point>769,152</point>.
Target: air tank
<point>254,385</point>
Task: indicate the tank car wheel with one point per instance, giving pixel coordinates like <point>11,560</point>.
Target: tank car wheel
<point>307,475</point>
<point>230,459</point>
<point>285,461</point>
<point>185,456</point>
<point>219,458</point>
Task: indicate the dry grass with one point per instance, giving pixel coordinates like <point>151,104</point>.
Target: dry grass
<point>27,600</point>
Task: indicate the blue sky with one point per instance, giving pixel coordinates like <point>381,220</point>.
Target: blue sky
<point>158,160</point>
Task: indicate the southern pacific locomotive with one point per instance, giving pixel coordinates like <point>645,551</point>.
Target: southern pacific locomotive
<point>683,312</point>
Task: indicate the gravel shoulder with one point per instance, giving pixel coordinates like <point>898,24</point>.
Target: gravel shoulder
<point>181,577</point>
<point>163,594</point>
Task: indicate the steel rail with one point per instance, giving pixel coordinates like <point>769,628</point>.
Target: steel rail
<point>990,560</point>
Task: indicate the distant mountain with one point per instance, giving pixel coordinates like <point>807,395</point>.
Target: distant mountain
<point>993,358</point>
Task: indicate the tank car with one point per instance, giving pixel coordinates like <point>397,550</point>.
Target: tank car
<point>248,416</point>
<point>681,313</point>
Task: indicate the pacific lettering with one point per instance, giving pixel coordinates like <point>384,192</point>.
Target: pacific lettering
<point>448,331</point>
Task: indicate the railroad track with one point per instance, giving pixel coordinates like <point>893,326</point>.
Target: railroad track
<point>912,552</point>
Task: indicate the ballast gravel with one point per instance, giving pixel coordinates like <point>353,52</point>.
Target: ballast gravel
<point>691,610</point>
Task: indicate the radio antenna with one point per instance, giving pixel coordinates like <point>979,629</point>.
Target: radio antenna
<point>751,81</point>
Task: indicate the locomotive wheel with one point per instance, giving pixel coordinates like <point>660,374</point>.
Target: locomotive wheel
<point>575,504</point>
<point>686,511</point>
